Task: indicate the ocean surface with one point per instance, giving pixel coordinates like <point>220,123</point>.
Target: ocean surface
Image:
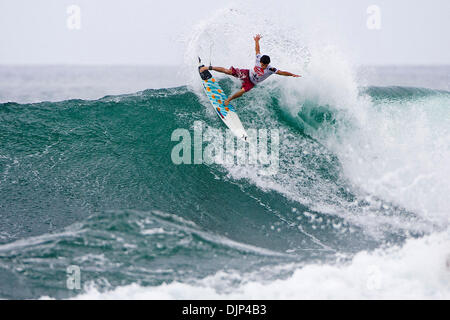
<point>358,206</point>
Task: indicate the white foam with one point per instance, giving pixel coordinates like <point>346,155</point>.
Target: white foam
<point>418,270</point>
<point>400,153</point>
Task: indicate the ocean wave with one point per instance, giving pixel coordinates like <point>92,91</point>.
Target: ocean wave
<point>395,273</point>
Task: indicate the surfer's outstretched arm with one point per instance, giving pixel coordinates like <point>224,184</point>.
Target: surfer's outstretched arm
<point>287,74</point>
<point>234,96</point>
<point>218,69</point>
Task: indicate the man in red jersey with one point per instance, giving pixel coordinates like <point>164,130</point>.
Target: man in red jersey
<point>250,78</point>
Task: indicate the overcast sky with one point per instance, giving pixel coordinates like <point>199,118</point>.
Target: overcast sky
<point>148,32</point>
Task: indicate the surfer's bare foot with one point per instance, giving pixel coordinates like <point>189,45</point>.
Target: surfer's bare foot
<point>203,69</point>
<point>226,102</point>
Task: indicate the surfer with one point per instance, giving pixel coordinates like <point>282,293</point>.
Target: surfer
<point>250,78</point>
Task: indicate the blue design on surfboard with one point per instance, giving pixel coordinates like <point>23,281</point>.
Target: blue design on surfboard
<point>217,97</point>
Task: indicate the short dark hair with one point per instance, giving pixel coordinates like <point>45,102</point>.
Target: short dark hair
<point>265,59</point>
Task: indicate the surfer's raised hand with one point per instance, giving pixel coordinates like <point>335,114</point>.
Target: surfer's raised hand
<point>257,49</point>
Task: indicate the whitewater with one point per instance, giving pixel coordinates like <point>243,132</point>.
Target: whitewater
<point>358,208</point>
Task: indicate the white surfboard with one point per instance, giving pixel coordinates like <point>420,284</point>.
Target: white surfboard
<point>217,96</point>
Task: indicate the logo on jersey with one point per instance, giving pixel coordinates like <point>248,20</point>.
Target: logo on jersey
<point>259,71</point>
